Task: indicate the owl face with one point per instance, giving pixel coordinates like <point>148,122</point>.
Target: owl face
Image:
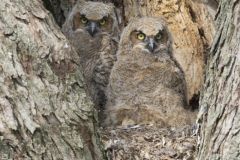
<point>95,18</point>
<point>149,34</point>
<point>150,42</point>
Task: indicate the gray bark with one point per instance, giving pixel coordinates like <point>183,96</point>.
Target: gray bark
<point>44,110</point>
<point>219,117</point>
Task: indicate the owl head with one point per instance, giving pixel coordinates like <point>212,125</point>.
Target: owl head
<point>149,34</point>
<point>94,18</point>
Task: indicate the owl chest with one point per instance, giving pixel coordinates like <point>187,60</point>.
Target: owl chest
<point>89,48</point>
<point>92,49</point>
<point>136,77</point>
<point>144,76</point>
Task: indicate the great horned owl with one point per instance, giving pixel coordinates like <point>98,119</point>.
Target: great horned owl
<point>146,84</point>
<point>92,28</point>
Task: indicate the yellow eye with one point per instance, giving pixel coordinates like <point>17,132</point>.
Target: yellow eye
<point>158,36</point>
<point>84,20</point>
<point>102,22</point>
<point>140,36</point>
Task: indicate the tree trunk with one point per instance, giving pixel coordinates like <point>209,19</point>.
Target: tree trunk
<point>192,30</point>
<point>219,116</point>
<point>44,110</point>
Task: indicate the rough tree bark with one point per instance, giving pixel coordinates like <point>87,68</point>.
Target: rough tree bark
<point>219,116</point>
<point>44,110</point>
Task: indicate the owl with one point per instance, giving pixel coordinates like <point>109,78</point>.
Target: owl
<point>92,28</point>
<point>146,84</point>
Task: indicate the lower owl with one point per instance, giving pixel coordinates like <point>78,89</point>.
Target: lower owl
<point>147,85</point>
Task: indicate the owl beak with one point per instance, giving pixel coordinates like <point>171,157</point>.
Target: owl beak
<point>92,28</point>
<point>151,44</point>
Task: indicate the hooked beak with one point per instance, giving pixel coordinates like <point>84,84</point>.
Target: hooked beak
<point>92,28</point>
<point>151,44</point>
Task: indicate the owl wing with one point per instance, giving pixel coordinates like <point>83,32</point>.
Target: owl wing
<point>102,69</point>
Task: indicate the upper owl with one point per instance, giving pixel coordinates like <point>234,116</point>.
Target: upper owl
<point>92,28</point>
<point>93,17</point>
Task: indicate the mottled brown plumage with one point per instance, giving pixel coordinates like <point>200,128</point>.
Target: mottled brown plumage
<point>146,84</point>
<point>93,30</point>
